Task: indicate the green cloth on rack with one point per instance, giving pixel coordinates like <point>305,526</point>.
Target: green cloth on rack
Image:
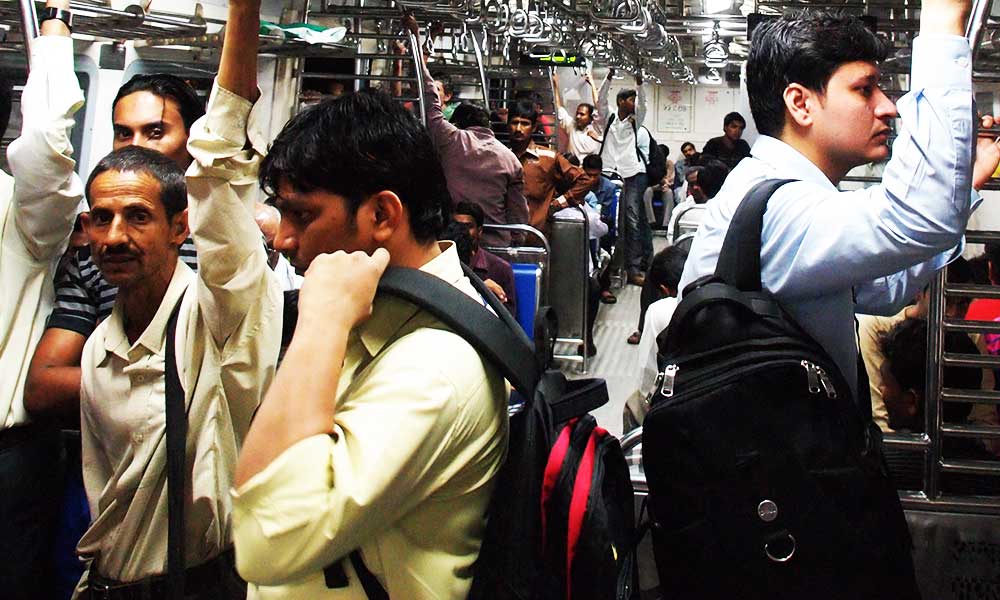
<point>305,32</point>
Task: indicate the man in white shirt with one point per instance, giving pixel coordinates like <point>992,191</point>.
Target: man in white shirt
<point>38,206</point>
<point>625,151</point>
<point>584,138</point>
<point>227,338</point>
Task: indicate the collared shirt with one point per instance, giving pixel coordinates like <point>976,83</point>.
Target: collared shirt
<point>582,142</point>
<point>228,335</point>
<point>546,173</point>
<point>490,266</point>
<point>625,139</point>
<point>420,431</point>
<point>885,241</point>
<point>658,317</point>
<point>689,217</point>
<point>871,328</point>
<point>84,298</point>
<point>478,168</point>
<point>37,208</point>
<point>287,277</point>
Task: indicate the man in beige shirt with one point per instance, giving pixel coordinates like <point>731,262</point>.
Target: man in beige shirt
<point>383,430</point>
<point>227,339</point>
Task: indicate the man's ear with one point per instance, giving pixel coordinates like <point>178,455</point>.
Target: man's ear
<point>799,104</point>
<point>179,230</point>
<point>388,215</point>
<point>85,222</point>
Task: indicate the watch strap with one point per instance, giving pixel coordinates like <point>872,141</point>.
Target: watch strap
<point>51,12</point>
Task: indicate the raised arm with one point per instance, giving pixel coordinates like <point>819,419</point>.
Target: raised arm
<point>601,120</point>
<point>441,129</point>
<point>47,192</point>
<point>640,103</point>
<point>227,146</point>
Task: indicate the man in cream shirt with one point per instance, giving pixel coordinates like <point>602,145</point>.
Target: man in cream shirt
<point>383,430</point>
<point>37,208</point>
<point>227,338</point>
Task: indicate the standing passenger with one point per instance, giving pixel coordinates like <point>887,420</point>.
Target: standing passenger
<point>228,332</point>
<point>38,206</point>
<point>478,168</point>
<point>584,138</point>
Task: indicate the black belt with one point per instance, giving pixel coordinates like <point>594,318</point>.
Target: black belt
<point>22,434</point>
<point>197,579</point>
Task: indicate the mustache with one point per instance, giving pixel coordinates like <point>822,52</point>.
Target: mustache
<point>117,251</point>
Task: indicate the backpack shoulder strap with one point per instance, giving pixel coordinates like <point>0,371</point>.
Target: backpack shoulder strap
<point>500,340</point>
<point>739,259</point>
<point>607,128</point>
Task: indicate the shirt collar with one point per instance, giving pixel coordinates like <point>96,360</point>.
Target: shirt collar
<point>478,260</point>
<point>389,314</point>
<point>116,342</point>
<point>787,162</point>
<point>532,149</point>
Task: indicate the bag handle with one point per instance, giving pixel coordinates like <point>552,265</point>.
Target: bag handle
<point>739,259</point>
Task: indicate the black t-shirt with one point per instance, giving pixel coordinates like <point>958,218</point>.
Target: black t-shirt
<point>716,148</point>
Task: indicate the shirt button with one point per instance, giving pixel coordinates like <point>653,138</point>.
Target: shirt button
<point>137,437</point>
<point>963,62</point>
<point>140,378</point>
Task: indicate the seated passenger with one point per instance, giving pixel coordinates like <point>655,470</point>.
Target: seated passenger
<point>704,182</point>
<point>38,204</point>
<point>730,148</point>
<point>228,332</point>
<point>150,111</point>
<point>383,431</point>
<point>903,379</point>
<point>664,273</point>
<point>489,267</point>
<point>478,168</point>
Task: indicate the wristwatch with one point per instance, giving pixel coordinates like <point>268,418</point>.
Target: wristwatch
<point>62,14</point>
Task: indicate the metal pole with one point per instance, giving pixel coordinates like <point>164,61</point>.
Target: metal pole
<point>419,71</point>
<point>974,29</point>
<point>29,27</point>
<point>482,68</point>
<point>932,398</point>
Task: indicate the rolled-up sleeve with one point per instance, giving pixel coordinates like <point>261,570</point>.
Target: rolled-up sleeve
<point>47,191</point>
<point>395,443</point>
<point>895,234</point>
<point>222,189</point>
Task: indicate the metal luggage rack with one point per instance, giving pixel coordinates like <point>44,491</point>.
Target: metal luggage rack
<point>99,21</point>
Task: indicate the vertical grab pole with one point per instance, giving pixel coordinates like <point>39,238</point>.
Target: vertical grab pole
<point>935,371</point>
<point>29,26</point>
<point>974,29</point>
<point>417,58</point>
<point>482,68</point>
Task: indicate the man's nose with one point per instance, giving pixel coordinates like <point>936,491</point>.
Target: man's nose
<point>117,232</point>
<point>886,108</point>
<point>285,241</point>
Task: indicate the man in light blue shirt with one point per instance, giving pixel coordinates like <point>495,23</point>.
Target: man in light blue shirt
<point>814,94</point>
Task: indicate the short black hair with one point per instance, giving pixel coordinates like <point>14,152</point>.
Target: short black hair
<point>135,159</point>
<point>733,116</point>
<point>993,256</point>
<point>804,48</point>
<point>685,145</point>
<point>665,149</point>
<point>190,105</point>
<point>624,95</point>
<point>445,80</point>
<point>712,174</point>
<point>473,210</point>
<point>593,161</point>
<point>905,348</point>
<point>469,115</point>
<point>523,109</point>
<point>588,106</point>
<point>667,266</point>
<point>572,158</point>
<point>6,100</point>
<point>358,145</point>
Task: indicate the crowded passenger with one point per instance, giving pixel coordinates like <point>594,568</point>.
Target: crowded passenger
<point>690,157</point>
<point>478,168</point>
<point>551,183</point>
<point>218,329</point>
<point>268,220</point>
<point>382,431</point>
<point>814,92</point>
<point>626,144</point>
<point>583,138</point>
<point>730,147</point>
<point>38,205</point>
<point>150,111</point>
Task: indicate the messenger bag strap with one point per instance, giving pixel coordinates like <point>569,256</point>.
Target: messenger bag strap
<point>177,426</point>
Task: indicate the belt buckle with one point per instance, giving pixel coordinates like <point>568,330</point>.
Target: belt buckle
<point>99,591</point>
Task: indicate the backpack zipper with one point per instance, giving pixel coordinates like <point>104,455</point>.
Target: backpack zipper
<point>818,378</point>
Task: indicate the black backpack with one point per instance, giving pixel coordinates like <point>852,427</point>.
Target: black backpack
<point>560,524</point>
<point>656,162</point>
<point>765,478</point>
